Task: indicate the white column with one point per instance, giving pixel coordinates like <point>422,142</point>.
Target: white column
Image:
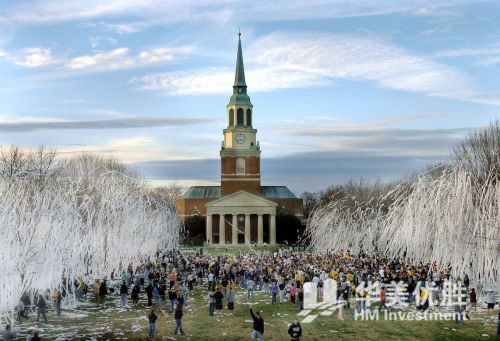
<point>222,230</point>
<point>260,230</point>
<point>209,229</point>
<point>247,229</point>
<point>272,228</point>
<point>235,229</point>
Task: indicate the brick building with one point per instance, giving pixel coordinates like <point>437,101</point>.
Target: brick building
<point>240,210</point>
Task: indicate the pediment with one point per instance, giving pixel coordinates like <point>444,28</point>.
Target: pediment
<point>240,199</point>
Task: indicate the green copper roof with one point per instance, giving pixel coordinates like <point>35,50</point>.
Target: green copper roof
<point>240,99</point>
<point>276,192</point>
<point>202,192</point>
<point>239,77</point>
<point>213,192</point>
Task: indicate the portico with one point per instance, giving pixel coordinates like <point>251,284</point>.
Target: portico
<point>241,218</point>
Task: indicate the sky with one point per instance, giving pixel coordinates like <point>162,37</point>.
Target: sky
<point>341,89</point>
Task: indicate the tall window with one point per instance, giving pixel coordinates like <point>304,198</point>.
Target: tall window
<point>240,166</point>
<point>231,117</point>
<point>249,117</point>
<point>239,117</point>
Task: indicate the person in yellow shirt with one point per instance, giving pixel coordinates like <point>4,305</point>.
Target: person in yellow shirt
<point>95,290</point>
<point>56,301</point>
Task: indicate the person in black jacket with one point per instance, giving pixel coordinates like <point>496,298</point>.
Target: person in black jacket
<point>300,297</point>
<point>149,294</point>
<point>124,294</point>
<point>172,298</point>
<point>135,293</point>
<point>178,320</point>
<point>295,331</point>
<point>103,291</point>
<point>162,288</point>
<point>41,307</point>
<point>218,296</point>
<point>258,326</point>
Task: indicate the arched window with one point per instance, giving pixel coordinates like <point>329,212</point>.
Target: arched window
<point>249,118</point>
<point>239,117</point>
<point>231,117</point>
<point>240,166</point>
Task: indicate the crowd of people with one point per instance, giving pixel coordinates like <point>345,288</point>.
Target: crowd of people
<point>361,281</point>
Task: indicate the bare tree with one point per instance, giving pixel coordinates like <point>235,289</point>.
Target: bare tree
<point>91,165</point>
<point>311,200</point>
<point>170,192</point>
<point>479,152</point>
<point>356,193</point>
<point>14,162</point>
<point>42,162</point>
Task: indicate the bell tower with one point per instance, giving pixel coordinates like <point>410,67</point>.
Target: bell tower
<point>240,151</point>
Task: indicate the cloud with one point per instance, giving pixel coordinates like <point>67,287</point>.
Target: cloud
<point>121,28</point>
<point>161,12</point>
<point>138,148</point>
<point>124,123</point>
<point>217,80</point>
<point>116,59</point>
<point>33,57</point>
<point>74,101</point>
<point>417,142</point>
<point>291,60</point>
<point>345,152</point>
<point>9,118</point>
<point>99,59</point>
<point>485,56</point>
<point>381,137</point>
<point>51,11</point>
<point>96,41</point>
<point>466,52</point>
<point>124,28</point>
<point>121,58</point>
<point>491,61</point>
<point>304,171</point>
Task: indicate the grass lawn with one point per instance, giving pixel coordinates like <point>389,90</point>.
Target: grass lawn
<point>91,321</point>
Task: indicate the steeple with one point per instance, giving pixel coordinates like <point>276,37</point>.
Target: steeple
<point>240,150</point>
<point>239,96</point>
<point>239,77</point>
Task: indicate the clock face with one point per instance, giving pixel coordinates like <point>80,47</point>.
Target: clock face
<point>240,138</point>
